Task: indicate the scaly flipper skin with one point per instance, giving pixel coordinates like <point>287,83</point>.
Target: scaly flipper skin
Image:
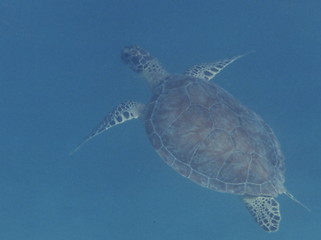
<point>266,212</point>
<point>207,71</point>
<point>123,112</point>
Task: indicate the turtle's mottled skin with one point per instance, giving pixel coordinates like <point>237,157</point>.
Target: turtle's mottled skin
<point>206,135</point>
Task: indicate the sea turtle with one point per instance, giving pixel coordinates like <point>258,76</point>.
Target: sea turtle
<point>206,135</point>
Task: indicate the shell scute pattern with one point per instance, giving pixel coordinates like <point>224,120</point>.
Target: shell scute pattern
<point>221,146</point>
<point>174,102</point>
<point>232,164</point>
<point>228,120</point>
<point>199,178</point>
<point>199,95</point>
<point>217,185</point>
<point>202,132</point>
<point>194,124</point>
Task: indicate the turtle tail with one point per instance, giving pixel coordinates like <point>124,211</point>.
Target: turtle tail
<point>296,200</point>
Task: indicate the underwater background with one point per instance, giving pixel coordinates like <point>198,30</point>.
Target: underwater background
<point>61,73</point>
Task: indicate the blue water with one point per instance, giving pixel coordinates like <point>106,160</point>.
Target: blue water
<point>60,73</point>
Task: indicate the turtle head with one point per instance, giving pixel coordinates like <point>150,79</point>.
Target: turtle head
<point>142,62</point>
<point>136,58</point>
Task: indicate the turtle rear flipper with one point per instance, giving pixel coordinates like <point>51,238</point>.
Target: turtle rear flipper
<point>123,112</point>
<point>266,212</point>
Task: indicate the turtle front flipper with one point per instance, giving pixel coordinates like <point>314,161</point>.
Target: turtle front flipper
<point>123,112</point>
<point>207,71</point>
<point>266,212</point>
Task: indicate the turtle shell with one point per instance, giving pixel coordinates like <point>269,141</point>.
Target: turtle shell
<point>206,135</point>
